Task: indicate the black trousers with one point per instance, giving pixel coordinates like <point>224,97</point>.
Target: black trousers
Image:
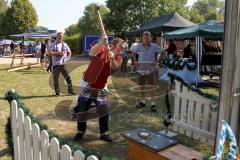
<point>57,69</point>
<point>103,116</point>
<point>49,68</point>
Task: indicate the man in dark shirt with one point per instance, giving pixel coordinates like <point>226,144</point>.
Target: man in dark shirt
<point>43,52</point>
<point>12,46</point>
<point>171,50</point>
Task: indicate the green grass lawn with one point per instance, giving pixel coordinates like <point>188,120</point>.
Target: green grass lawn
<point>35,87</point>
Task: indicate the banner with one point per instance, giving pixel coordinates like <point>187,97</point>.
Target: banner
<point>91,40</point>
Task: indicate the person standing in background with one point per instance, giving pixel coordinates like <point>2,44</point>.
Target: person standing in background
<point>38,51</point>
<point>49,68</point>
<point>43,53</point>
<point>12,47</point>
<point>125,56</point>
<point>60,53</point>
<point>21,47</point>
<point>187,53</point>
<point>30,49</point>
<point>134,55</point>
<point>171,50</point>
<point>147,61</point>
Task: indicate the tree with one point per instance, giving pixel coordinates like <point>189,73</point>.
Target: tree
<point>195,16</point>
<point>88,23</point>
<point>126,15</point>
<point>42,28</point>
<point>210,9</point>
<point>169,6</point>
<point>72,30</point>
<point>3,10</point>
<point>20,16</point>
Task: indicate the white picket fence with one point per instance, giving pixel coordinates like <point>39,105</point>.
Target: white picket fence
<point>32,144</point>
<point>192,114</point>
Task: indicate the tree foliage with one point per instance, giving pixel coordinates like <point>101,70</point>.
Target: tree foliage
<point>121,16</point>
<point>127,14</point>
<point>3,9</point>
<point>72,30</point>
<point>210,9</point>
<point>88,23</point>
<point>42,28</point>
<point>20,16</point>
<point>169,6</point>
<point>195,17</point>
<point>74,42</point>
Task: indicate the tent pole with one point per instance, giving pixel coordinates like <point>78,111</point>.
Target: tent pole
<point>162,40</point>
<point>197,55</point>
<point>200,57</point>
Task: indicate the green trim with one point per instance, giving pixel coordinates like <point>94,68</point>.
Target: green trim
<point>193,88</point>
<point>9,140</point>
<point>11,95</point>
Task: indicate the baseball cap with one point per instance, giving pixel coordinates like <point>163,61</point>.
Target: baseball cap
<point>146,33</point>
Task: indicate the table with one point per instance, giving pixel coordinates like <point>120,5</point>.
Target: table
<point>189,76</point>
<point>22,56</point>
<point>173,151</point>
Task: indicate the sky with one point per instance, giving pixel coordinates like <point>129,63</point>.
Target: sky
<point>59,14</point>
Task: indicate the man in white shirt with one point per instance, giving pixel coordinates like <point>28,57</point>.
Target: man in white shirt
<point>60,53</point>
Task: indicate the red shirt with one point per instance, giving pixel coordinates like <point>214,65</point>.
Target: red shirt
<point>101,79</point>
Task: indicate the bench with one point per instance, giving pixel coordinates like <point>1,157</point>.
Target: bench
<point>21,56</point>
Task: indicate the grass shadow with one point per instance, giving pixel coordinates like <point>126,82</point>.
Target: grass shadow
<point>40,96</point>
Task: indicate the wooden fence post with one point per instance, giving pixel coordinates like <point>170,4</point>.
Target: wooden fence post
<point>28,138</point>
<point>14,117</point>
<point>54,149</point>
<point>21,133</point>
<point>66,153</point>
<point>230,74</point>
<point>36,142</point>
<point>78,155</point>
<point>45,146</point>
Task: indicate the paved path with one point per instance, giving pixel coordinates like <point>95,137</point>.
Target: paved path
<point>8,60</point>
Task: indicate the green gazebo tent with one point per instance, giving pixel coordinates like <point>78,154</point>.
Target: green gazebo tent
<point>209,29</point>
<point>161,24</point>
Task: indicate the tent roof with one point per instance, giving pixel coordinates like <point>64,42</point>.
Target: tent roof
<point>168,22</point>
<point>34,35</point>
<point>5,41</point>
<point>206,29</point>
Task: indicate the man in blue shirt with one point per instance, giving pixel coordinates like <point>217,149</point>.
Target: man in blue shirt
<point>146,66</point>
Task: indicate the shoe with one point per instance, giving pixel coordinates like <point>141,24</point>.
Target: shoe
<point>78,136</point>
<point>57,94</point>
<point>106,138</point>
<point>153,108</point>
<point>141,105</point>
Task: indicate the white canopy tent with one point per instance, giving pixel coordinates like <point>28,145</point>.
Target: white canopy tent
<point>5,41</point>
